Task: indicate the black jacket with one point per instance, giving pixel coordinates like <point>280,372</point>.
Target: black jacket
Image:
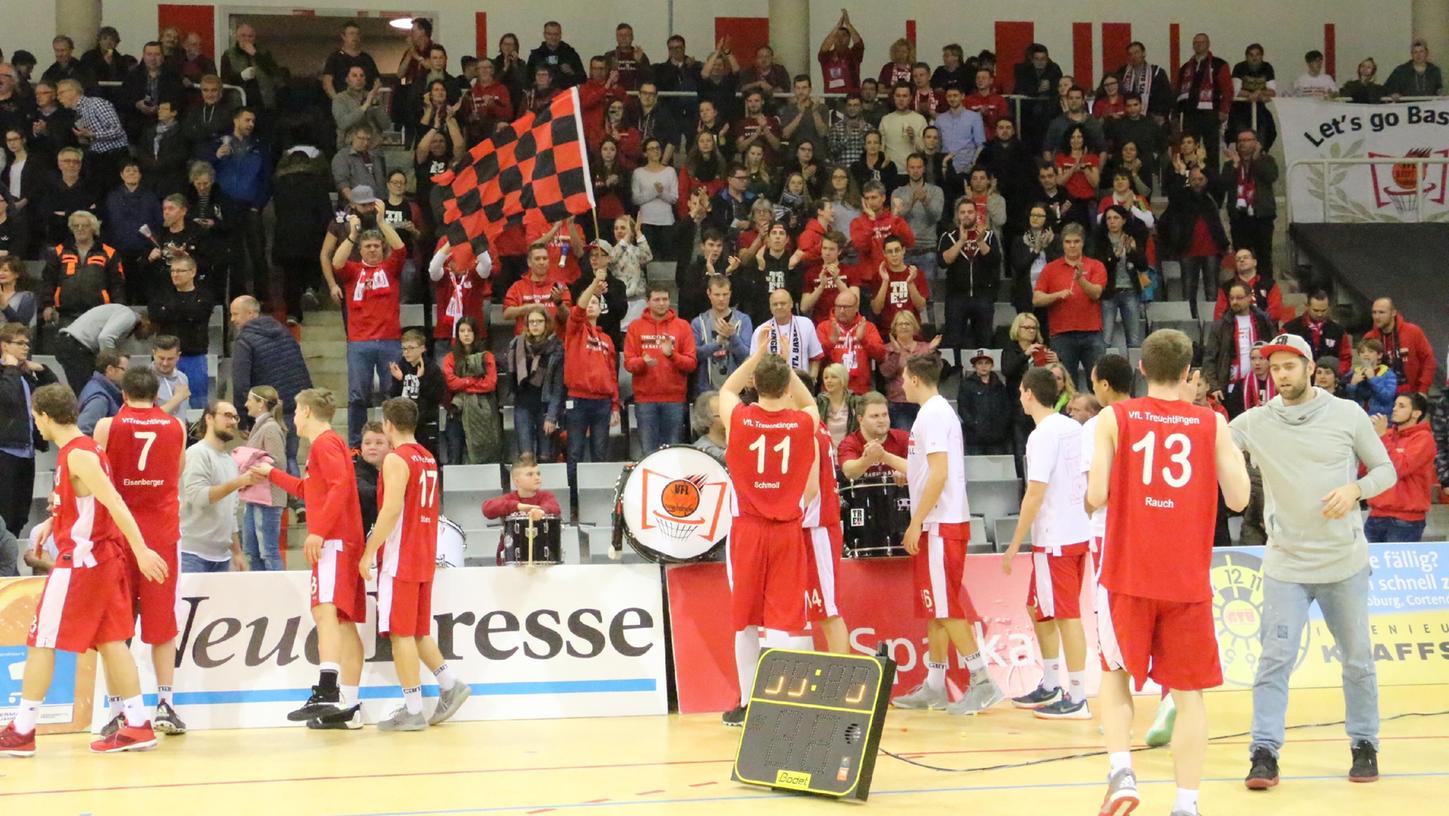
<point>163,161</point>
<point>366,491</point>
<point>266,353</point>
<point>16,429</point>
<point>1220,347</point>
<point>1184,208</point>
<point>1020,258</point>
<point>985,408</point>
<point>614,305</point>
<point>299,195</point>
<point>424,385</point>
<point>58,201</point>
<point>554,61</point>
<point>74,284</point>
<point>972,275</point>
<point>1101,249</point>
<point>183,314</point>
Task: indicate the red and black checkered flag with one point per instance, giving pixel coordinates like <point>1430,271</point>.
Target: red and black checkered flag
<point>537,166</point>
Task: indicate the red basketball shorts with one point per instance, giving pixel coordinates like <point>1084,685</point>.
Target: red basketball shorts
<point>1055,591</point>
<point>1173,643</point>
<point>822,550</point>
<point>83,607</point>
<point>769,574</point>
<point>404,608</point>
<point>155,602</point>
<point>335,581</point>
<point>940,571</point>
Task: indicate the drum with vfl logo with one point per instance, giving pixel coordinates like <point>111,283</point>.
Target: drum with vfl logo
<point>674,506</point>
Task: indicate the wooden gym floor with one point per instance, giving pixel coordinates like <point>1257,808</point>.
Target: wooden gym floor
<point>681,764</point>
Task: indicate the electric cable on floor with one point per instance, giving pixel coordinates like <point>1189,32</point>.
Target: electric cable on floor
<point>1087,754</point>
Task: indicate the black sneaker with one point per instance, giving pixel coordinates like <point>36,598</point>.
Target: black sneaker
<point>322,703</point>
<point>347,719</point>
<point>1365,763</point>
<point>1264,773</point>
<point>109,729</point>
<point>735,717</point>
<point>165,721</point>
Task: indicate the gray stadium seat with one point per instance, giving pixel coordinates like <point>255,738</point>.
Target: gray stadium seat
<point>1005,313</point>
<point>990,467</point>
<point>595,482</point>
<point>1005,529</point>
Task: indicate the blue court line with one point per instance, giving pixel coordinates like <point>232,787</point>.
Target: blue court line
<point>637,684</point>
<point>873,793</point>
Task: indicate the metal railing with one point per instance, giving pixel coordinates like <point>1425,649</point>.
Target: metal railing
<point>240,91</point>
<point>1325,162</point>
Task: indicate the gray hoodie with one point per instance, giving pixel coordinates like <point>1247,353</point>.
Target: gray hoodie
<point>1304,452</point>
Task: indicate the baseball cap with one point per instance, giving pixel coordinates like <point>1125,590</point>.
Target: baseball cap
<point>1290,343</point>
<point>363,194</point>
<point>981,355</point>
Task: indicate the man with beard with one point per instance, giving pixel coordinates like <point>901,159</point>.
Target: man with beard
<point>210,537</point>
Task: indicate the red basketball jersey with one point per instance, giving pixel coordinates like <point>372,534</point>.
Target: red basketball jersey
<point>144,448</point>
<point>1162,501</point>
<point>768,458</point>
<point>411,550</point>
<point>83,529</point>
<point>825,510</point>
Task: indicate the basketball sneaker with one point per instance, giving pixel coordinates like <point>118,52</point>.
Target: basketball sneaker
<point>127,738</point>
<point>347,719</point>
<point>978,698</point>
<point>166,721</point>
<point>1063,709</point>
<point>1365,763</point>
<point>1160,733</point>
<point>1264,772</point>
<point>922,697</point>
<point>402,720</point>
<point>449,702</point>
<point>13,743</point>
<point>735,717</point>
<point>110,728</point>
<point>1040,696</point>
<point>1121,798</point>
<point>322,703</point>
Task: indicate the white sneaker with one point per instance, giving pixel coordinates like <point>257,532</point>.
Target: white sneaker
<point>978,698</point>
<point>922,697</point>
<point>403,720</point>
<point>1121,798</point>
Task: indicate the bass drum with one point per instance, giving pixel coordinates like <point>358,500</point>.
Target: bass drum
<point>451,543</point>
<point>674,506</point>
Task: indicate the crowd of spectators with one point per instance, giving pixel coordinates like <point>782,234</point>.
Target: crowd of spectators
<point>878,216</point>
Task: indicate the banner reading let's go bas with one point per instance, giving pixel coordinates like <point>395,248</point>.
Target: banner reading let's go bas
<point>1372,172</point>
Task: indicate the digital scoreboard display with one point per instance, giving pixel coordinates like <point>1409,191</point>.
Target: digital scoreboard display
<point>814,722</point>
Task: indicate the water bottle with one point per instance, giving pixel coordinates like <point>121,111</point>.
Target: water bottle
<point>563,254</point>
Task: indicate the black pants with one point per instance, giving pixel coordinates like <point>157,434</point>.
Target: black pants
<point>1255,233</point>
<point>298,275</point>
<point>252,276</point>
<point>17,478</point>
<point>77,361</point>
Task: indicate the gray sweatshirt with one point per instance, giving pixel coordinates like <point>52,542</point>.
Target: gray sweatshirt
<point>1304,452</point>
<point>206,528</point>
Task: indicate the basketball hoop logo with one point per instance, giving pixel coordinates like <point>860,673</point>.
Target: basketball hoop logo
<point>1401,185</point>
<point>677,503</point>
<point>677,514</point>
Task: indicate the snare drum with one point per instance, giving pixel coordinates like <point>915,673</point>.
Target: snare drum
<point>874,512</point>
<point>525,541</point>
<point>451,543</point>
<point>673,506</point>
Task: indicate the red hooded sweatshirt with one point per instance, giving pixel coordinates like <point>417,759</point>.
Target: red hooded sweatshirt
<point>1412,451</point>
<point>668,379</point>
<point>868,235</point>
<point>1408,353</point>
<point>591,368</point>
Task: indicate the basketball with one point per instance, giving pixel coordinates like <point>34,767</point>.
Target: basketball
<point>680,498</point>
<point>1406,176</point>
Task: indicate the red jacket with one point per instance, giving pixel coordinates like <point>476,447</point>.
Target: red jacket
<point>1407,352</point>
<point>668,379</point>
<point>992,108</point>
<point>591,367</point>
<point>486,384</point>
<point>687,183</point>
<point>839,343</point>
<point>1412,451</point>
<point>594,99</point>
<point>1221,85</point>
<point>329,491</point>
<point>507,504</point>
<point>867,236</point>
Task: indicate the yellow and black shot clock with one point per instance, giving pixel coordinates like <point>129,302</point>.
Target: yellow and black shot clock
<point>1237,579</point>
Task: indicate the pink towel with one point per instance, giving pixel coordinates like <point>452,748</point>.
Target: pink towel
<point>245,458</point>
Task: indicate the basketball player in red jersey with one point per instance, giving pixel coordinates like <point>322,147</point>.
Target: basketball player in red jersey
<point>1157,464</point>
<point>147,450</point>
<point>334,547</point>
<point>772,457</point>
<point>406,533</point>
<point>84,604</point>
<point>824,539</point>
<point>936,538</point>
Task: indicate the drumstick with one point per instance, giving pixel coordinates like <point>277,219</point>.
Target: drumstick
<point>530,535</point>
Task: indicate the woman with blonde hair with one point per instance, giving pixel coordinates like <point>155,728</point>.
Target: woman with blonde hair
<point>904,344</point>
<point>1066,391</point>
<point>903,58</point>
<point>839,407</point>
<point>262,520</point>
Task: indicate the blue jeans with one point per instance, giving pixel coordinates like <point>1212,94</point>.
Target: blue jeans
<point>903,414</point>
<point>292,442</point>
<point>1285,613</point>
<point>1079,348</point>
<point>660,424</point>
<point>1385,529</point>
<point>261,530</point>
<point>194,367</point>
<point>1127,305</point>
<point>588,423</point>
<point>925,260</point>
<point>528,417</point>
<point>366,358</point>
<point>961,311</point>
<point>191,562</point>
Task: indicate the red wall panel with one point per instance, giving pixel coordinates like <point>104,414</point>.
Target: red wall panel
<point>1330,51</point>
<point>746,35</point>
<point>1082,55</point>
<point>1174,52</point>
<point>200,19</point>
<point>1012,38</point>
<point>1115,37</point>
<point>480,35</point>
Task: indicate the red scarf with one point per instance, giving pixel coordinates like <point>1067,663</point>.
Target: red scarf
<point>1257,394</point>
<point>1247,187</point>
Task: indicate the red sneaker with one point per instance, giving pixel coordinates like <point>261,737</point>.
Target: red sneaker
<point>16,744</point>
<point>127,738</point>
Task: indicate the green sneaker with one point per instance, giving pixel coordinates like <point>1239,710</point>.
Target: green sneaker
<point>1160,733</point>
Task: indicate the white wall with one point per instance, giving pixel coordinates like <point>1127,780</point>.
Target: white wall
<point>1287,28</point>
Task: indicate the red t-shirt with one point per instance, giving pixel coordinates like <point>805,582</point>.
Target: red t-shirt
<point>1078,186</point>
<point>1201,245</point>
<point>764,456</point>
<point>1164,477</point>
<point>410,552</point>
<point>899,298</point>
<point>852,447</point>
<point>374,302</point>
<point>1078,312</point>
<point>842,72</point>
<point>329,492</point>
<point>144,448</point>
<point>825,510</point>
<point>525,291</point>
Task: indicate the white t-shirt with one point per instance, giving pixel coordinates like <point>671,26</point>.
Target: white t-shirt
<point>1054,458</point>
<point>1244,335</point>
<point>1320,86</point>
<point>799,343</point>
<point>1089,449</point>
<point>938,429</point>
